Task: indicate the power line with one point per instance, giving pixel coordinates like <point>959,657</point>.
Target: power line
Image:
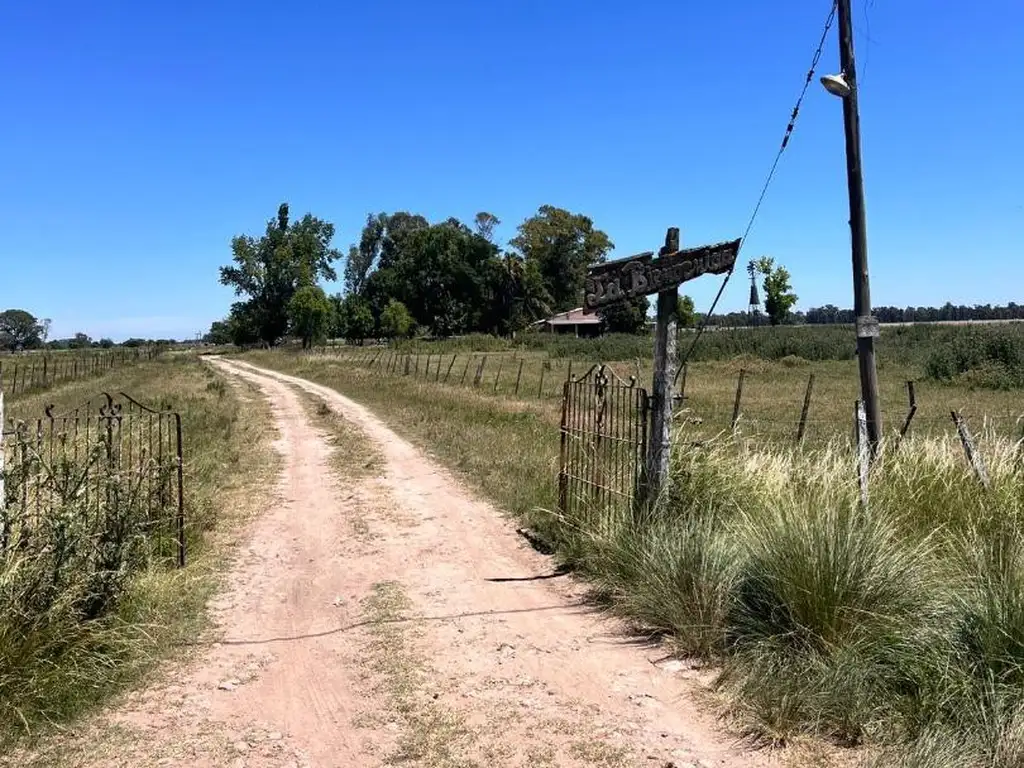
<point>767,182</point>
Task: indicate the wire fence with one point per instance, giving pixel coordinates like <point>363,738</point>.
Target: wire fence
<point>25,373</point>
<point>760,404</point>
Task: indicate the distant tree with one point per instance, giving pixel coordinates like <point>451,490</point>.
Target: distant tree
<point>136,342</point>
<point>485,224</point>
<point>628,316</point>
<point>243,325</point>
<point>686,316</point>
<point>445,274</point>
<point>395,320</point>
<point>310,314</point>
<point>219,333</point>
<point>21,330</point>
<point>522,294</point>
<point>561,245</point>
<point>80,341</point>
<point>778,292</point>
<point>105,343</point>
<point>361,258</point>
<point>269,270</point>
<point>357,318</point>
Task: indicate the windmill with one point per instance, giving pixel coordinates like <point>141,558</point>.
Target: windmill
<point>755,300</point>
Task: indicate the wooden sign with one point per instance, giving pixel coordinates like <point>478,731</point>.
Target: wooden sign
<point>644,274</point>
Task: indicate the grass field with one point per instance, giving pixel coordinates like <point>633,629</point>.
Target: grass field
<point>772,397</point>
<point>53,661</point>
<point>898,628</point>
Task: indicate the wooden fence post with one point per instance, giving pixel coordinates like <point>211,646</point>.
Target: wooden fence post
<point>480,371</point>
<point>449,371</point>
<point>540,387</point>
<point>975,458</point>
<point>465,370</point>
<point>501,363</point>
<point>863,451</point>
<point>739,398</point>
<point>519,377</point>
<point>408,365</point>
<point>802,428</point>
<point>46,365</point>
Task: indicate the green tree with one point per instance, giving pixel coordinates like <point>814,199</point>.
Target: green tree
<point>243,324</point>
<point>485,223</point>
<point>395,320</point>
<point>779,298</point>
<point>686,315</point>
<point>80,341</point>
<point>106,343</point>
<point>356,318</point>
<point>270,269</point>
<point>629,316</point>
<point>522,294</point>
<point>21,330</point>
<point>446,275</point>
<point>310,313</point>
<point>561,245</point>
<point>219,333</point>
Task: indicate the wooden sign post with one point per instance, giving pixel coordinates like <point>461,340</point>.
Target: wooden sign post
<point>643,274</point>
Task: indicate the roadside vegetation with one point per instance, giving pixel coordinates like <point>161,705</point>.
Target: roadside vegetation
<point>897,628</point>
<point>88,607</point>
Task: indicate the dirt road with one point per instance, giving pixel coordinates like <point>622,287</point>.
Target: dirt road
<point>381,614</point>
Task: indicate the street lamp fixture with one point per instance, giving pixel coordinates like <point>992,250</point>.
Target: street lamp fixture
<point>836,85</point>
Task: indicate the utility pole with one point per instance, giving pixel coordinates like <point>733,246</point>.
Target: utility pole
<point>867,325</point>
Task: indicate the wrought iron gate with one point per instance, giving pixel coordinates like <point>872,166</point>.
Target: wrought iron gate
<point>115,464</point>
<point>604,443</point>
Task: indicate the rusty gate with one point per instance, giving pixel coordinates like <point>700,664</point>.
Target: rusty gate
<point>604,443</point>
<point>110,469</point>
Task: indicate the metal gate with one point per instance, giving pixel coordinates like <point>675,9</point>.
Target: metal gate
<point>604,444</point>
<point>110,468</point>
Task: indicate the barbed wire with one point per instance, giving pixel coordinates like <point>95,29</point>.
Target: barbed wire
<point>767,183</point>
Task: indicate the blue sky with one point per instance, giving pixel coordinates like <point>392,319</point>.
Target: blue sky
<point>138,138</point>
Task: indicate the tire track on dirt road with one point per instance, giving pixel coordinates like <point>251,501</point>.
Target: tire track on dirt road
<point>531,675</point>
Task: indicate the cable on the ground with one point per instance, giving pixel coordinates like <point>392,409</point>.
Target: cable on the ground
<point>764,189</point>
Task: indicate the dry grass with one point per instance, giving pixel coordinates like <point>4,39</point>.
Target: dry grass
<point>897,627</point>
<point>227,455</point>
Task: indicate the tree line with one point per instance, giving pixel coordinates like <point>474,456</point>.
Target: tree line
<point>406,274</point>
<point>833,315</point>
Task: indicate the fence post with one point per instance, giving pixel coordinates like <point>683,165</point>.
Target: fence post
<point>14,384</point>
<point>519,377</point>
<point>181,494</point>
<point>501,363</point>
<point>480,371</point>
<point>46,365</point>
<point>863,451</point>
<point>912,400</point>
<point>3,489</point>
<point>465,370</point>
<point>540,387</point>
<point>408,364</point>
<point>802,428</point>
<point>739,398</point>
<point>975,458</point>
<point>449,371</point>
